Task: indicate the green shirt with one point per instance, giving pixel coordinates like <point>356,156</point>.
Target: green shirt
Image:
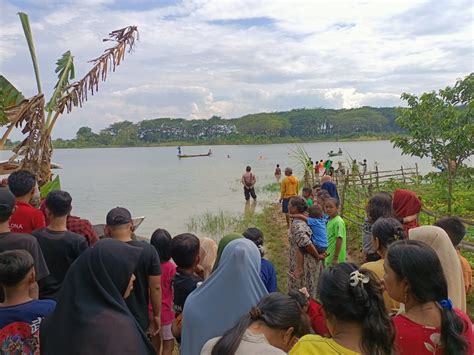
<point>310,202</point>
<point>336,228</point>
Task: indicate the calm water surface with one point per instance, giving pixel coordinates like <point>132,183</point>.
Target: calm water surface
<point>153,182</point>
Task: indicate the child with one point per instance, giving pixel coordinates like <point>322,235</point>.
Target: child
<point>317,223</point>
<point>185,253</point>
<point>20,315</point>
<point>336,232</point>
<point>267,271</point>
<point>456,232</point>
<point>321,197</point>
<point>307,194</point>
<point>161,240</point>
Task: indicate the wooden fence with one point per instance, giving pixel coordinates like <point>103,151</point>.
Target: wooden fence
<point>361,185</point>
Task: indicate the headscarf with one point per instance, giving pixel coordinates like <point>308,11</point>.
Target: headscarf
<point>439,240</point>
<point>222,244</point>
<point>224,297</point>
<point>91,316</point>
<point>208,255</point>
<point>406,203</point>
<point>331,188</point>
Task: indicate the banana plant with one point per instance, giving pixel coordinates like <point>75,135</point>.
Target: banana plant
<point>15,111</point>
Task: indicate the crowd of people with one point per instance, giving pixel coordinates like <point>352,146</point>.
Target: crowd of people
<point>64,291</point>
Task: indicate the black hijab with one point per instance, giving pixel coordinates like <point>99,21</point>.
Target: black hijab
<point>91,316</point>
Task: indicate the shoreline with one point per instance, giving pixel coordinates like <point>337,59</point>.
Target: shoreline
<point>362,138</point>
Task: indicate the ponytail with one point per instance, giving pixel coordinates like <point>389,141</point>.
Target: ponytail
<point>419,264</point>
<point>230,341</point>
<point>452,328</point>
<point>378,332</point>
<point>276,311</point>
<point>351,295</point>
<point>387,230</point>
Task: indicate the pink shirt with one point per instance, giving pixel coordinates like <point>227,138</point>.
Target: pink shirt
<point>168,269</point>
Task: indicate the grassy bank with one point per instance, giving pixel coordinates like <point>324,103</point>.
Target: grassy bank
<point>270,221</point>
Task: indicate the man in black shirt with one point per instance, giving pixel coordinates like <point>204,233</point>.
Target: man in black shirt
<point>60,247</point>
<point>12,241</point>
<point>148,280</point>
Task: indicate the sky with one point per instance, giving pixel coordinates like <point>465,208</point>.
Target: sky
<point>199,58</point>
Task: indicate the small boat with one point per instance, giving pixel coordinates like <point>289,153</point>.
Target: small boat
<point>335,154</point>
<point>208,154</point>
<point>10,166</point>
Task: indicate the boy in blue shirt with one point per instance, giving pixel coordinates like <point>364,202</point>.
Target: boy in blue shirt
<point>317,222</point>
<point>20,315</point>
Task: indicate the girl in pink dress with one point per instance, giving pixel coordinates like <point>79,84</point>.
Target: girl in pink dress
<point>161,240</point>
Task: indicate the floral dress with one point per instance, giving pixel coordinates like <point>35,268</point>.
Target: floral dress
<point>299,237</point>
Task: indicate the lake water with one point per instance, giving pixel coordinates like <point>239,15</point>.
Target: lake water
<point>154,183</point>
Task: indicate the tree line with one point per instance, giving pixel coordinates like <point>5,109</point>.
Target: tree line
<point>294,125</point>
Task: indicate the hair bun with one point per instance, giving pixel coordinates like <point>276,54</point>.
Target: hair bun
<point>255,313</point>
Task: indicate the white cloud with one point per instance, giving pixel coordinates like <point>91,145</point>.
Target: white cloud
<point>201,58</point>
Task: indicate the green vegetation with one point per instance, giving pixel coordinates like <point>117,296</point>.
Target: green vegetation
<point>270,221</point>
<point>300,125</point>
<point>440,125</point>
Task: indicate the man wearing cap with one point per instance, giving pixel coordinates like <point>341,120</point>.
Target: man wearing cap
<point>288,189</point>
<point>147,286</point>
<point>13,241</point>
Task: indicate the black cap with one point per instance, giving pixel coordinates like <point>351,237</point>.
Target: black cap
<point>7,200</point>
<point>118,216</point>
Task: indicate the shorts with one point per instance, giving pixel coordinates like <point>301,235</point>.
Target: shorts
<point>284,205</point>
<point>165,332</point>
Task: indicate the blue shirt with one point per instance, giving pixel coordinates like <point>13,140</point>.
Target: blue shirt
<point>318,227</point>
<point>268,275</point>
<point>19,325</point>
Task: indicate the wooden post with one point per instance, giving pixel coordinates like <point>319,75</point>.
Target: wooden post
<point>343,195</point>
<point>403,175</point>
<point>377,176</point>
<point>416,169</point>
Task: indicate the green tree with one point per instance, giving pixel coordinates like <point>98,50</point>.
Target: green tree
<point>440,126</point>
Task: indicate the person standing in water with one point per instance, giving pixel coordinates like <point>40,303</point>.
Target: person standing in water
<point>249,180</point>
<point>278,173</point>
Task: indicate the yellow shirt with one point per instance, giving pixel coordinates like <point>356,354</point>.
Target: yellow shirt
<point>466,272</point>
<point>376,267</point>
<point>317,345</point>
<point>289,187</point>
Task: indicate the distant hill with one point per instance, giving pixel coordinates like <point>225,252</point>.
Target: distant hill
<point>287,126</point>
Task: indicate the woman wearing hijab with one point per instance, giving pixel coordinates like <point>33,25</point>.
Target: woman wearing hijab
<point>222,244</point>
<point>231,290</point>
<point>91,316</point>
<point>439,240</point>
<point>406,206</point>
<point>331,188</point>
<point>207,255</point>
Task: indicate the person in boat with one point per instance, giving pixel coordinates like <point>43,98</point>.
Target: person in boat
<point>179,150</point>
<point>249,180</point>
<point>210,151</point>
<point>331,152</point>
<point>339,151</point>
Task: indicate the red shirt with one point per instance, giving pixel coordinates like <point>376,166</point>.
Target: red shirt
<point>414,338</point>
<point>26,218</point>
<point>82,227</point>
<point>317,318</point>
